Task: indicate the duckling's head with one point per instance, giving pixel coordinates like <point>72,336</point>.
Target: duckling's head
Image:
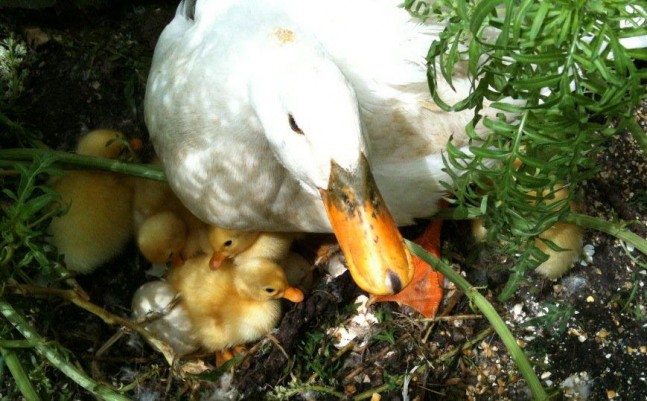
<point>161,237</point>
<point>104,143</point>
<point>228,243</point>
<point>263,280</point>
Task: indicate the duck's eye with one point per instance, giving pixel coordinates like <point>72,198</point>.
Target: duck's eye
<point>228,242</point>
<point>293,125</point>
<point>270,290</point>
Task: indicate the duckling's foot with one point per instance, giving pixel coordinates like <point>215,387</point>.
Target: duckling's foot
<point>228,354</point>
<point>224,356</point>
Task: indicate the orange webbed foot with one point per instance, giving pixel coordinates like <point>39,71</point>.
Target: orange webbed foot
<point>223,356</point>
<point>228,354</point>
<point>425,291</point>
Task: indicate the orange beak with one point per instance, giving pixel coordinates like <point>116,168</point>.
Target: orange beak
<point>376,256</point>
<point>293,294</point>
<point>136,144</point>
<point>177,261</point>
<point>216,260</point>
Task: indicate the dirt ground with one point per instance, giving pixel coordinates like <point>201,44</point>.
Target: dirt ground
<point>586,332</point>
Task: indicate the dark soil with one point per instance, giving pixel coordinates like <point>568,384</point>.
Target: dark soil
<point>91,74</point>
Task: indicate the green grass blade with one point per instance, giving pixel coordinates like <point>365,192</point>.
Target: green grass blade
<point>100,391</point>
<point>19,375</point>
<point>74,161</point>
<point>490,313</point>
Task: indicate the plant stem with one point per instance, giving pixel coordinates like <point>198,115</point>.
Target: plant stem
<point>100,391</point>
<point>19,375</point>
<point>616,229</point>
<point>107,317</point>
<point>312,387</point>
<point>369,393</point>
<point>490,313</point>
<point>71,161</point>
<point>469,344</point>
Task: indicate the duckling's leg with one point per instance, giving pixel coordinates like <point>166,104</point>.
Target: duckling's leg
<point>228,354</point>
<point>239,349</point>
<point>223,356</point>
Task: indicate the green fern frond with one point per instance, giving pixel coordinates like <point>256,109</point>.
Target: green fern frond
<point>562,70</point>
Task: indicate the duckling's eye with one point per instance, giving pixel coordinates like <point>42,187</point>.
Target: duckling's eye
<point>228,242</point>
<point>270,290</point>
<point>293,125</point>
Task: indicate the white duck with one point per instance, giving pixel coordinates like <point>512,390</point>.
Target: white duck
<point>267,114</point>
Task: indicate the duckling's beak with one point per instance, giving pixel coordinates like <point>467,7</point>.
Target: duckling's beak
<point>293,294</point>
<point>216,260</point>
<point>136,144</point>
<point>177,261</point>
<point>375,253</point>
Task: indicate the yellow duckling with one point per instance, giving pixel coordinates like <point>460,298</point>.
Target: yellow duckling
<point>568,237</point>
<point>246,245</point>
<point>99,221</point>
<point>151,197</point>
<point>299,271</point>
<point>236,304</point>
<point>164,228</point>
<point>162,237</point>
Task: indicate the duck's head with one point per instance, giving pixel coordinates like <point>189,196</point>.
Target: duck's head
<point>310,116</point>
<point>228,243</point>
<point>263,280</point>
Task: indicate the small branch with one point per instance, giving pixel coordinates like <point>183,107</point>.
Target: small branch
<point>616,229</point>
<point>451,318</point>
<point>72,161</point>
<point>100,391</point>
<point>490,313</point>
<point>312,387</point>
<point>368,394</point>
<point>140,379</point>
<point>107,317</point>
<point>469,344</point>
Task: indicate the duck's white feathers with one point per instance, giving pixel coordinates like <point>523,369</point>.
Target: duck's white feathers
<point>381,56</point>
